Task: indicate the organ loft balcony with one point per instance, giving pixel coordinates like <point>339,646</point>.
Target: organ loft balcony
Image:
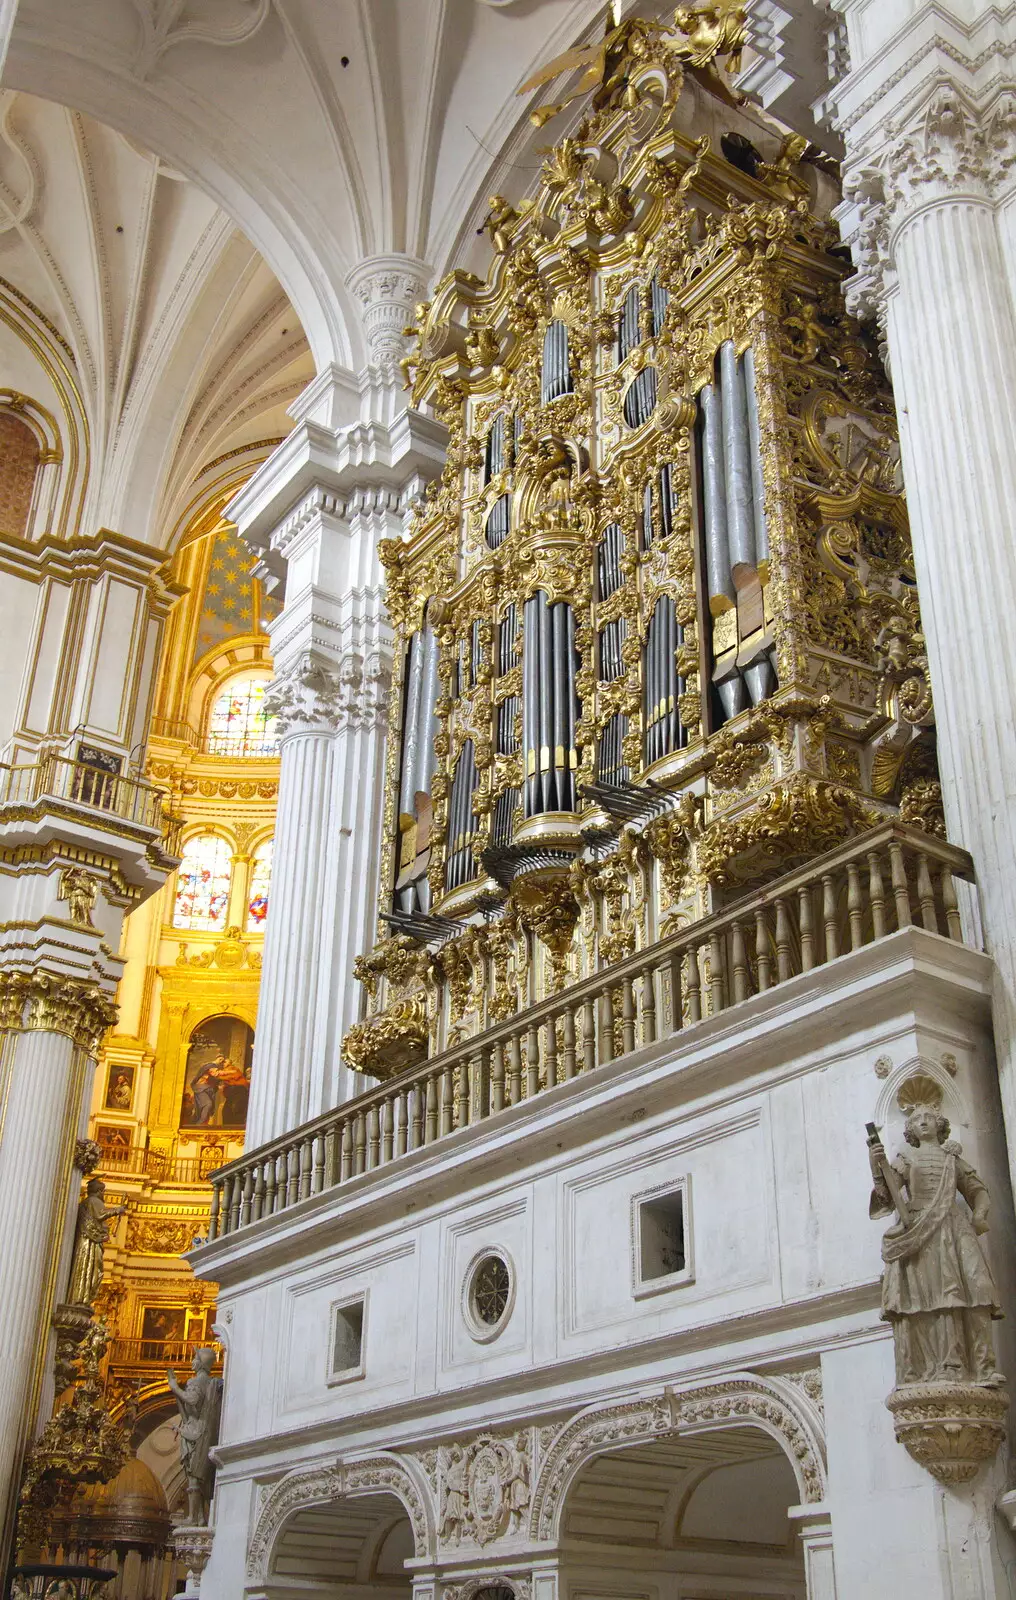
<point>661,734</point>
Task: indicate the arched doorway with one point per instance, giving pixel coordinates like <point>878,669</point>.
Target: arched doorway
<point>708,1509</point>
<point>347,1546</point>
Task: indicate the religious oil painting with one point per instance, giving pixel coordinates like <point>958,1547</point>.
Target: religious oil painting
<point>217,1077</point>
<point>114,1140</point>
<point>119,1088</point>
<point>162,1326</point>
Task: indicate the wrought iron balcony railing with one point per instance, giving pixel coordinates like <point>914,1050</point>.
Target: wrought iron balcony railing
<point>79,787</point>
<point>879,882</point>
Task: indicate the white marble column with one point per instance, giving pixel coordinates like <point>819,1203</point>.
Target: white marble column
<point>315,512</point>
<point>928,173</point>
<point>44,1076</point>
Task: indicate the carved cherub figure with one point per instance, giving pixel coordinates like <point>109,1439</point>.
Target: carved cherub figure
<point>937,1289</point>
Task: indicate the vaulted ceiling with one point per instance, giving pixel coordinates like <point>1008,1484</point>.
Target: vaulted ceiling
<point>330,130</point>
<point>177,337</point>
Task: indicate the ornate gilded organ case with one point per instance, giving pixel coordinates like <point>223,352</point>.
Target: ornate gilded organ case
<point>657,627</point>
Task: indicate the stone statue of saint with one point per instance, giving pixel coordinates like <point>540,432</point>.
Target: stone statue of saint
<point>90,1234</point>
<point>199,1401</point>
<point>937,1288</point>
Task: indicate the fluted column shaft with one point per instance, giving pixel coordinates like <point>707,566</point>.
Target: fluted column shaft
<point>323,910</point>
<point>42,1076</point>
<point>952,338</point>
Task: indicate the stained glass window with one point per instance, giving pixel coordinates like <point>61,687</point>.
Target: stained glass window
<point>260,882</point>
<point>239,724</point>
<point>202,883</point>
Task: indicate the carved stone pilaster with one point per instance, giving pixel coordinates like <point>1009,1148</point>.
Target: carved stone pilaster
<point>388,289</point>
<point>312,697</point>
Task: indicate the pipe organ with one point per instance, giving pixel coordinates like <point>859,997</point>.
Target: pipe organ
<point>659,633</point>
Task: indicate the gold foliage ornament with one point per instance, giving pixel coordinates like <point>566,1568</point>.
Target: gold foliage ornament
<point>81,1444</point>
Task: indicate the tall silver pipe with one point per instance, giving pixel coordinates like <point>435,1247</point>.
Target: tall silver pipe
<point>736,459</point>
<point>545,687</point>
<point>714,495</point>
<point>530,705</point>
<point>758,494</point>
<point>659,299</point>
<point>426,756</point>
<point>411,724</point>
<point>571,703</point>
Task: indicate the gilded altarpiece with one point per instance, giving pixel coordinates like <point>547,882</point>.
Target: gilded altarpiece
<point>658,636</point>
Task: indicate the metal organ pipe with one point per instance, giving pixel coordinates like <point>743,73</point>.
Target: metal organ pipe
<point>714,495</point>
<point>757,485</point>
<point>461,820</point>
<point>736,460</point>
<point>548,705</point>
<point>555,378</point>
<point>411,725</point>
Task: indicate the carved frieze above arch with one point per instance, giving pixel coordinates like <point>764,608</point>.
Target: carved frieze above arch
<point>742,1400</point>
<point>327,1482</point>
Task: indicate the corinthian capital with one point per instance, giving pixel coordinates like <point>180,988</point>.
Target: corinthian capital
<point>312,696</point>
<point>947,149</point>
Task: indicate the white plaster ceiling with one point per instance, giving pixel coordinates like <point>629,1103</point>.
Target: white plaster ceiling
<point>183,345</point>
<point>330,130</point>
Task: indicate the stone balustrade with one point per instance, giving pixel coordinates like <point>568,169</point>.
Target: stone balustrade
<point>888,879</point>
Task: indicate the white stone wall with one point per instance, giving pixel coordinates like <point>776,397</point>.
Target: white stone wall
<point>762,1116</point>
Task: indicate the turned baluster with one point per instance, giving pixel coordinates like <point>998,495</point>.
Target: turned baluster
<point>550,1051</point>
<point>306,1167</point>
<point>627,1015</point>
<point>373,1138</point>
<point>648,1006</point>
<point>717,985</point>
<point>532,1060</point>
<point>257,1209</point>
<point>213,1219</point>
<point>462,1094</point>
<point>901,888</point>
<point>360,1144</point>
<point>420,1092</point>
<point>402,1119</point>
<point>387,1129</point>
<point>479,1089</point>
<point>319,1164</point>
<point>588,1034</point>
<point>432,1106</point>
<point>739,961</point>
<point>784,954</point>
<point>292,1175</point>
<point>876,895</point>
<point>568,1061</point>
<point>832,942</point>
<point>248,1197</point>
<point>605,1042</point>
<point>497,1079</point>
<point>762,961</point>
<point>234,1204</point>
<point>693,984</point>
<point>332,1156</point>
<point>676,991</point>
<point>807,925</point>
<point>270,1185</point>
<point>855,906</point>
<point>516,1069</point>
<point>950,904</point>
<point>926,895</point>
<point>347,1151</point>
<point>447,1101</point>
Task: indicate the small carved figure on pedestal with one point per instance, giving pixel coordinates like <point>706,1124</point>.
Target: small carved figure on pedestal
<point>90,1235</point>
<point>938,1295</point>
<point>200,1402</point>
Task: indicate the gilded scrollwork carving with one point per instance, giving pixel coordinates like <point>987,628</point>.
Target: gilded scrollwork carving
<point>573,379</point>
